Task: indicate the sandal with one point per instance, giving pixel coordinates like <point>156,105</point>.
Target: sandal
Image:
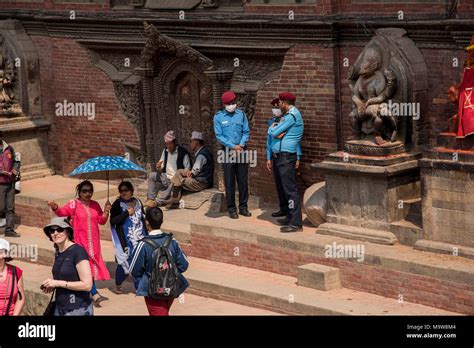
<point>99,300</point>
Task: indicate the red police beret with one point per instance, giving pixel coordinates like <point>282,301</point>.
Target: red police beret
<point>275,102</point>
<point>287,96</point>
<point>228,97</point>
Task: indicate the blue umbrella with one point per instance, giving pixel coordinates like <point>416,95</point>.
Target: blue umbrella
<point>107,168</point>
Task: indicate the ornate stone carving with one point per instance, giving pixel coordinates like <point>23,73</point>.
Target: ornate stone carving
<point>129,100</point>
<point>247,102</point>
<point>388,81</point>
<point>158,43</point>
<point>9,86</point>
<point>370,92</point>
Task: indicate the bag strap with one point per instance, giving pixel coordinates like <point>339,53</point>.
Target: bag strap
<point>168,240</point>
<point>150,242</point>
<point>54,291</point>
<point>10,300</point>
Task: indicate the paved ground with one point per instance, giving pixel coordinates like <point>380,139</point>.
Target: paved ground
<point>187,305</point>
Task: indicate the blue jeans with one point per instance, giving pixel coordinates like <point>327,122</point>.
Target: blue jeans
<point>83,311</point>
<point>94,289</point>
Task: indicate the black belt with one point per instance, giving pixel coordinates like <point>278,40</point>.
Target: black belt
<point>282,154</point>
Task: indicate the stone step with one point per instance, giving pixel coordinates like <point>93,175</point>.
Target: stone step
<point>126,303</point>
<point>441,281</point>
<point>412,207</point>
<point>407,231</point>
<point>445,248</point>
<point>261,289</point>
<point>319,277</point>
<point>357,233</point>
<point>281,293</point>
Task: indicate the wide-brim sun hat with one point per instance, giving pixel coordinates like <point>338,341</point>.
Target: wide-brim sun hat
<point>59,222</point>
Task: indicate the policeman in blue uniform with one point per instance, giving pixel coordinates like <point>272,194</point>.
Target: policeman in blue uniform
<point>232,131</point>
<point>287,136</point>
<point>271,165</point>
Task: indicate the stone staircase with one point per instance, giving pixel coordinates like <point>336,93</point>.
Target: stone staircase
<point>311,293</point>
<point>227,253</point>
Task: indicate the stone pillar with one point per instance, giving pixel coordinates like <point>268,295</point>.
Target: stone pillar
<point>147,86</point>
<point>221,81</point>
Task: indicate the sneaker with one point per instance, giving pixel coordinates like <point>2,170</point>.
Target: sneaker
<point>291,228</point>
<point>284,221</point>
<point>116,289</point>
<point>12,234</point>
<point>150,203</point>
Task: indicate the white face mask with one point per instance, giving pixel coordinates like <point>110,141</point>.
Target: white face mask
<point>231,108</point>
<point>276,112</point>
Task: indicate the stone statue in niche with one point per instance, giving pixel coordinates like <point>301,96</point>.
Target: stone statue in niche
<point>372,89</point>
<point>8,99</point>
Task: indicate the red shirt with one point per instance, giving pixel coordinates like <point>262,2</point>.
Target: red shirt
<point>5,292</point>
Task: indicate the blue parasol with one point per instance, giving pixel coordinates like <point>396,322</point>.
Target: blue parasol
<point>107,168</point>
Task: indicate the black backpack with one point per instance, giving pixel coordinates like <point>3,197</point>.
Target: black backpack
<point>165,281</point>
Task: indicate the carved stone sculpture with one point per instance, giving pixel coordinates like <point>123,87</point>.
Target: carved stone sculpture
<point>8,98</point>
<point>370,116</point>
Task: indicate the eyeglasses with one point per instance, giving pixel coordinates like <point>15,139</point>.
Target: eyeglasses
<point>58,229</point>
<point>87,191</point>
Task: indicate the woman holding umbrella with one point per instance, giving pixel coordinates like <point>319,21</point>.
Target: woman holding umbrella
<point>85,215</point>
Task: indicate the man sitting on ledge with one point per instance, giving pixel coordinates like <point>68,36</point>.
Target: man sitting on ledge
<point>199,177</point>
<point>173,158</point>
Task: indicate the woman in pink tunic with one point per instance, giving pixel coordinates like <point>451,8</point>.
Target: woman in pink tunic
<point>85,216</point>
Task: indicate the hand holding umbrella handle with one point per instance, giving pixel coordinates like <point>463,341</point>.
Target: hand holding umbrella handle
<point>107,207</point>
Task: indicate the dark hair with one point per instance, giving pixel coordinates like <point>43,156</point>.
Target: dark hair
<point>201,142</point>
<point>154,216</point>
<point>8,259</point>
<point>289,102</point>
<point>127,184</point>
<point>81,185</point>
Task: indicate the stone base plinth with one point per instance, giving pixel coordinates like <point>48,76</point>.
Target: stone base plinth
<point>447,180</point>
<point>365,200</point>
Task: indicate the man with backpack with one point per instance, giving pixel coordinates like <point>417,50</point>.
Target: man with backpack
<point>157,264</point>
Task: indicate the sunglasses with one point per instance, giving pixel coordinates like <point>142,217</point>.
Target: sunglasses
<point>58,229</point>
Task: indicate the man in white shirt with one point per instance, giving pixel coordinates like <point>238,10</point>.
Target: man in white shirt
<point>173,158</point>
<point>200,176</point>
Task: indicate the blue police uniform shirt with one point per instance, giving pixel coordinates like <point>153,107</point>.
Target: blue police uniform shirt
<point>293,126</point>
<point>231,129</point>
<point>271,139</point>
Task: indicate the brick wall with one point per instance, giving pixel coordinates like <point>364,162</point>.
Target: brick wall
<point>59,5</point>
<point>308,72</point>
<point>357,276</point>
<point>67,74</point>
<point>441,75</point>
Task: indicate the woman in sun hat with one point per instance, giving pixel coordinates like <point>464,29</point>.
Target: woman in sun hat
<point>72,278</point>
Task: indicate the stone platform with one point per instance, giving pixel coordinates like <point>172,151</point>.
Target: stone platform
<point>255,246</point>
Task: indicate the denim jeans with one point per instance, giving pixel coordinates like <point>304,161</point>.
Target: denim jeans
<point>84,311</point>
